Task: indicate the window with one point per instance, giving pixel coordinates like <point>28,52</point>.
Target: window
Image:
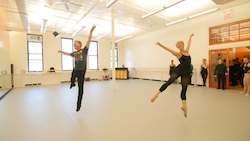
<point>93,55</point>
<point>231,32</point>
<point>116,56</point>
<point>35,53</point>
<point>67,61</point>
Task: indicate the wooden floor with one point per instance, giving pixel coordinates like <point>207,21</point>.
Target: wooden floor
<point>47,113</point>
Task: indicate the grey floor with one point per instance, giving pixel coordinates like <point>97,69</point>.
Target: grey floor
<point>3,91</point>
<point>47,113</point>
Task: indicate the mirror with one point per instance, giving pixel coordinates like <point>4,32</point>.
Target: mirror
<point>5,72</point>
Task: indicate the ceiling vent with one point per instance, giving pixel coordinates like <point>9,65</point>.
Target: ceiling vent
<point>221,2</point>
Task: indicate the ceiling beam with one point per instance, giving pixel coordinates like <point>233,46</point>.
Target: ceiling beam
<point>85,15</point>
<point>21,6</point>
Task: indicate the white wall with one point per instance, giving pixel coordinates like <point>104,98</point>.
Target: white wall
<point>141,51</point>
<point>5,80</point>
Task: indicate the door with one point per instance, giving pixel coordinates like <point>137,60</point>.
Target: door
<point>214,56</point>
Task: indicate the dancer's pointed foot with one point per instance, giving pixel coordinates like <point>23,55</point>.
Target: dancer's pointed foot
<point>153,99</point>
<point>78,108</point>
<point>72,85</point>
<point>184,110</point>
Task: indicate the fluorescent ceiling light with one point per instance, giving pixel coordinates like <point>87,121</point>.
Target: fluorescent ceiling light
<point>103,36</point>
<point>177,21</point>
<point>112,2</point>
<point>152,13</point>
<point>44,25</point>
<point>204,12</point>
<point>163,8</point>
<point>85,14</point>
<point>79,30</point>
<point>124,38</point>
<point>173,3</point>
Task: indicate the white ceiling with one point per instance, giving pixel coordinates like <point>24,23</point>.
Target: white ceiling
<point>128,15</point>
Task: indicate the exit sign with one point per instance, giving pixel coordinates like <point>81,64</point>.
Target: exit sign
<point>228,15</point>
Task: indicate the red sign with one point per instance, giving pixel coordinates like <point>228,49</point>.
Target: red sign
<point>228,15</point>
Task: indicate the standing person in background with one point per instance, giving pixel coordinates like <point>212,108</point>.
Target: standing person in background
<point>237,71</point>
<point>171,70</point>
<point>246,69</point>
<point>234,72</point>
<point>231,72</point>
<point>220,72</point>
<point>203,71</point>
<point>241,73</point>
<point>191,74</point>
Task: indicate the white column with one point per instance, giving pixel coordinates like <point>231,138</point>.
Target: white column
<point>113,47</point>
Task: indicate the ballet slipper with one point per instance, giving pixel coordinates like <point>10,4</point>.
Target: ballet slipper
<point>153,99</point>
<point>184,110</point>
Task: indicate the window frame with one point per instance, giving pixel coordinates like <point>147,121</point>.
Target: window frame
<point>116,47</point>
<point>94,55</point>
<point>28,52</point>
<point>69,52</point>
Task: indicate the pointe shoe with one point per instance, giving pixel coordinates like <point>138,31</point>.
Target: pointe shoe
<point>153,99</point>
<point>247,94</point>
<point>185,111</point>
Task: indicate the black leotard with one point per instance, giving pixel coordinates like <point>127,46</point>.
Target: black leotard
<point>203,71</point>
<point>183,69</point>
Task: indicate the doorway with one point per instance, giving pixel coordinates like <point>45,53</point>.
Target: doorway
<point>214,56</point>
<point>236,73</point>
<point>233,58</point>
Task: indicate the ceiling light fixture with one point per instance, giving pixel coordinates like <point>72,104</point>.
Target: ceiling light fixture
<point>204,13</point>
<point>44,25</point>
<point>124,38</point>
<point>152,13</point>
<point>85,15</point>
<point>79,30</point>
<point>112,2</point>
<point>173,3</point>
<point>163,8</point>
<point>103,36</point>
<point>177,21</point>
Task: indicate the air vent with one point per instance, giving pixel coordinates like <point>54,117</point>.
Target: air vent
<point>33,84</point>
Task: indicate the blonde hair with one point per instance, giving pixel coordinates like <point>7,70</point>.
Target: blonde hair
<point>79,42</point>
<point>179,42</point>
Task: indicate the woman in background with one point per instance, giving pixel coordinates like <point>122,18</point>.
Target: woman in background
<point>246,78</point>
<point>171,69</point>
<point>203,71</point>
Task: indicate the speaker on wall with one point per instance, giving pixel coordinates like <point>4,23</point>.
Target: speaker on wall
<point>55,34</point>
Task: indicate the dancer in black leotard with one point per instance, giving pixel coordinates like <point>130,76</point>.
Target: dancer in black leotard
<point>171,70</point>
<point>183,70</point>
<point>247,76</point>
<point>203,71</point>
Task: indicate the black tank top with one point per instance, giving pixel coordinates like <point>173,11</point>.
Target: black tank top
<point>171,69</point>
<point>184,68</point>
<point>185,62</point>
<point>246,68</point>
<point>203,71</point>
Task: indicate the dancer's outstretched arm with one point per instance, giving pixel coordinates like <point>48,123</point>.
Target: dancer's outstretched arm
<point>65,53</point>
<point>177,54</point>
<point>90,36</point>
<point>189,42</point>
